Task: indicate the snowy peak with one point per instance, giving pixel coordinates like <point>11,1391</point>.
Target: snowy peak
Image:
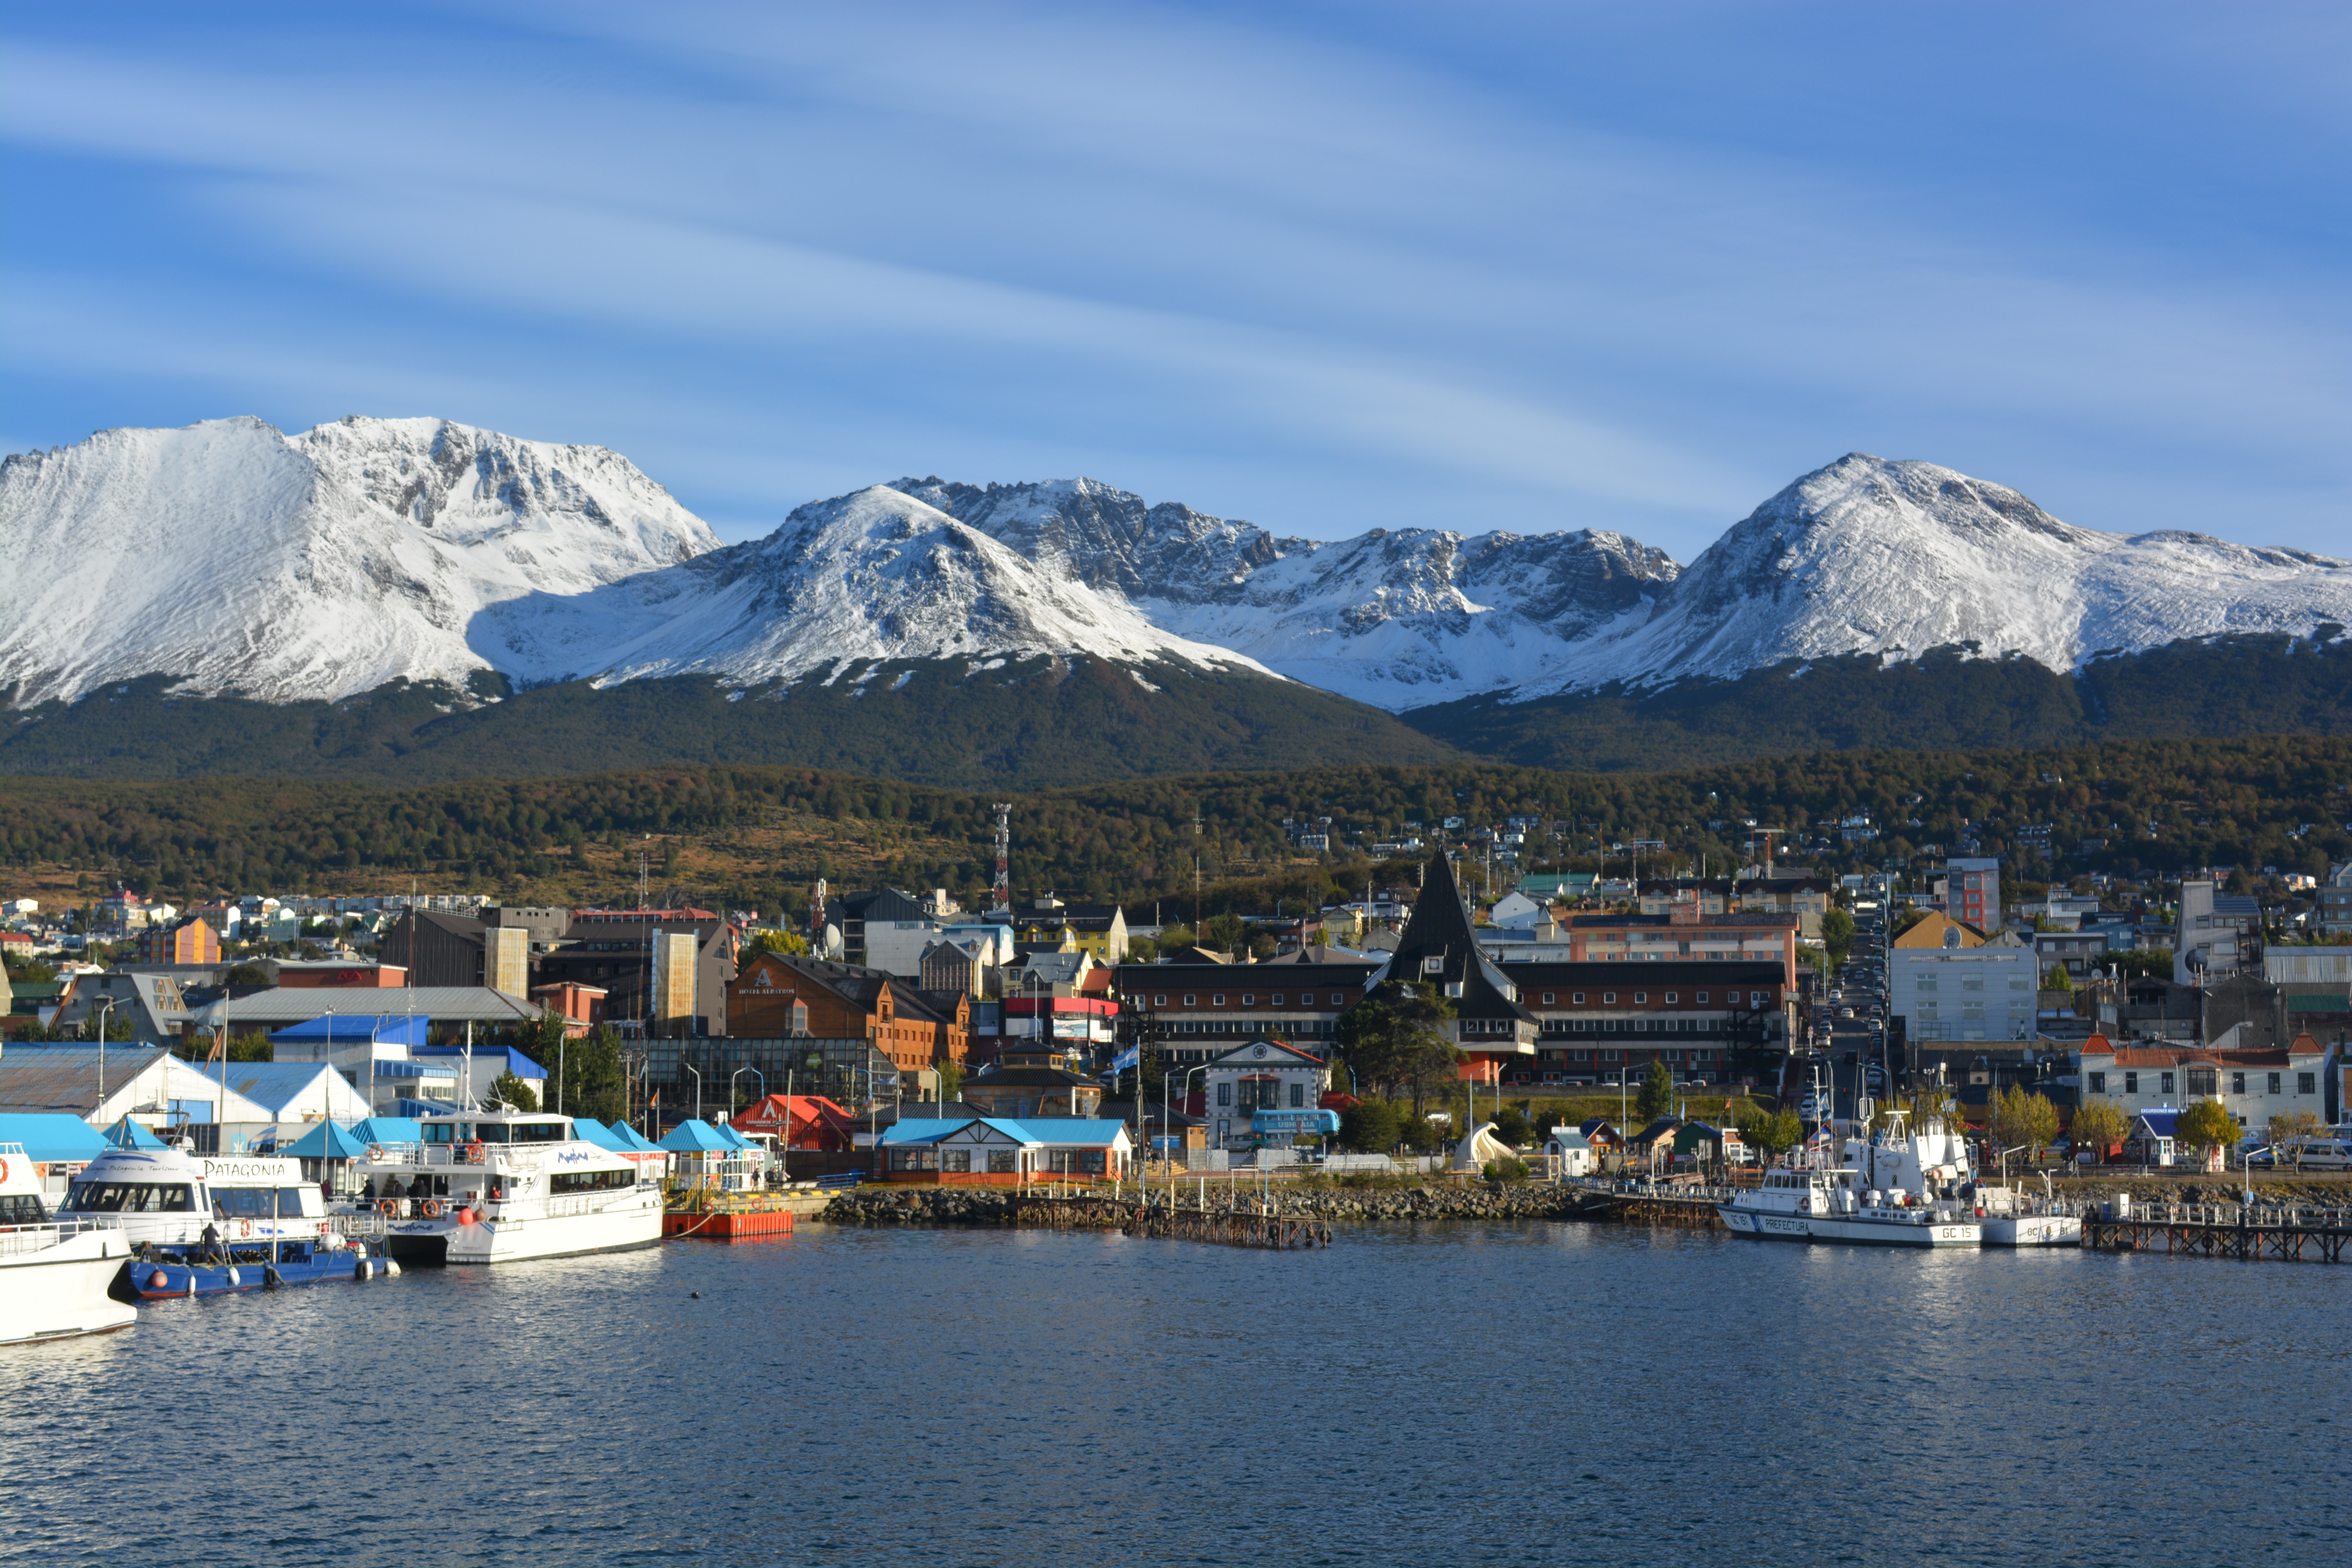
<point>1895,558</point>
<point>317,565</point>
<point>876,575</point>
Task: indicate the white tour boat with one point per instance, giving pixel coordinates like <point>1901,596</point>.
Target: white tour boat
<point>1931,1163</point>
<point>203,1227</point>
<point>499,1187</point>
<point>54,1274</point>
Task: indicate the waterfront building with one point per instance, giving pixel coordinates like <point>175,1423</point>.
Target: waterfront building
<point>2252,1085</point>
<point>1260,1075</point>
<point>1002,1151</point>
<point>777,996</point>
<point>1686,932</point>
<point>1196,1012</point>
<point>1597,1021</point>
<point>1440,948</point>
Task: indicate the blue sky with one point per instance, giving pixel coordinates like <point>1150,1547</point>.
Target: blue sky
<point>1327,267</point>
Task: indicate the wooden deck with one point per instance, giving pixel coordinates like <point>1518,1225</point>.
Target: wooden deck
<point>2225,1230</point>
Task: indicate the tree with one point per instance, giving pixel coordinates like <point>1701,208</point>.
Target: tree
<point>2207,1127</point>
<point>1772,1132</point>
<point>1373,1126</point>
<point>1657,1096</point>
<point>1511,1125</point>
<point>951,1076</point>
<point>1172,938</point>
<point>2019,1116</point>
<point>2287,1130</point>
<point>784,943</point>
<point>1224,933</point>
<point>2098,1124</point>
<point>1142,950</point>
<point>592,1080</point>
<point>511,1091</point>
<point>2058,979</point>
<point>1396,1039</point>
<point>1837,935</point>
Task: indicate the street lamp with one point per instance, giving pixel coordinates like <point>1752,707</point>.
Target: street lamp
<point>106,1016</point>
<point>1165,1120</point>
<point>698,1086</point>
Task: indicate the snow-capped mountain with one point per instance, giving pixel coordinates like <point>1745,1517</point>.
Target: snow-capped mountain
<point>1396,619</point>
<point>316,565</point>
<point>873,575</point>
<point>321,565</point>
<point>1897,558</point>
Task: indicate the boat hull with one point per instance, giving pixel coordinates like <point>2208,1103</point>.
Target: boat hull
<point>162,1278</point>
<point>1851,1231</point>
<point>437,1242</point>
<point>63,1291</point>
<point>2033,1230</point>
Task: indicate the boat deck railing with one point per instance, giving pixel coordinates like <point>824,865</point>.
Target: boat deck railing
<point>16,1240</point>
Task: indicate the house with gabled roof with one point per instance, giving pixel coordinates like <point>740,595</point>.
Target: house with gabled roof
<point>998,1152</point>
<point>1256,1074</point>
<point>1438,948</point>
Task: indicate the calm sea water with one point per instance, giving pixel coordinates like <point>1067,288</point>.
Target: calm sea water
<point>1532,1393</point>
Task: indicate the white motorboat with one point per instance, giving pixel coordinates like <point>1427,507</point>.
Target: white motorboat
<point>1829,1204</point>
<point>203,1227</point>
<point>2014,1218</point>
<point>54,1274</point>
<point>502,1186</point>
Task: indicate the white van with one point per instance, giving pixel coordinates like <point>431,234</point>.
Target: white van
<point>2318,1155</point>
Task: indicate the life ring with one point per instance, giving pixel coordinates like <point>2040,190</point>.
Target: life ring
<point>375,1152</point>
<point>387,1206</point>
<point>430,1208</point>
<point>3,1170</point>
<point>476,1153</point>
<point>245,1227</point>
<point>1805,1205</point>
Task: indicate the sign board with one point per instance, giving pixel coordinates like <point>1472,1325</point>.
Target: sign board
<point>1293,1122</point>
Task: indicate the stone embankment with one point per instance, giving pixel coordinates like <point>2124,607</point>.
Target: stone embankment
<point>1476,1199</point>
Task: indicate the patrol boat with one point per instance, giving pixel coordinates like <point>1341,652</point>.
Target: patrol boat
<point>1831,1204</point>
<point>200,1227</point>
<point>500,1187</point>
<point>54,1274</point>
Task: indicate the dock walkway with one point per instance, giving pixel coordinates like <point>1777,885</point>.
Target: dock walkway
<point>2251,1233</point>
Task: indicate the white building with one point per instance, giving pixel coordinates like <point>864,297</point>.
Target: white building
<point>2217,934</point>
<point>1259,1075</point>
<point>1955,993</point>
<point>2307,966</point>
<point>2252,1085</point>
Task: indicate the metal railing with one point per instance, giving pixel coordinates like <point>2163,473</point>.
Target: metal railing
<point>17,1240</point>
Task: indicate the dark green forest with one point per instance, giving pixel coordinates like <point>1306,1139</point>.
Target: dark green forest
<point>2142,806</point>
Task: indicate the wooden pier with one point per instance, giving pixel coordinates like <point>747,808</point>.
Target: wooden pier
<point>1244,1224</point>
<point>2224,1230</point>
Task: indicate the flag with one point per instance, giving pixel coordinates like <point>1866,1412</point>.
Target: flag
<point>1127,1058</point>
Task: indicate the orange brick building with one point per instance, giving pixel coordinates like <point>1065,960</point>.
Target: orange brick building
<point>777,998</point>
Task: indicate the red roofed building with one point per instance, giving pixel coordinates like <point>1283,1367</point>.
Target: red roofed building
<point>798,1122</point>
<point>2252,1085</point>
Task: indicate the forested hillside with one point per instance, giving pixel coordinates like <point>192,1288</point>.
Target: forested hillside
<point>757,836</point>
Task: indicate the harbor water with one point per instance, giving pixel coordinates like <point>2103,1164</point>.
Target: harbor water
<point>1535,1393</point>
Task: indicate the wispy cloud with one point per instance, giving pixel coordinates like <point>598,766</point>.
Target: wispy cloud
<point>1328,280</point>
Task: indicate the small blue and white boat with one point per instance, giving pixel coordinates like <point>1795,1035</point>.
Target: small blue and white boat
<point>201,1226</point>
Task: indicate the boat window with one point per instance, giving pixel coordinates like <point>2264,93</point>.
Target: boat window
<point>255,1203</point>
<point>589,1180</point>
<point>131,1198</point>
<point>22,1208</point>
<point>440,1132</point>
<point>536,1132</point>
<point>491,1132</point>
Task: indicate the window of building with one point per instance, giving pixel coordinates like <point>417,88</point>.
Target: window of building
<point>1218,1000</point>
<point>959,1160</point>
<point>1002,1161</point>
<point>1670,998</point>
<point>1756,998</point>
<point>1274,1000</point>
<point>2131,1083</point>
<point>1338,1000</point>
<point>1547,996</point>
<point>1298,1097</point>
<point>1160,1001</point>
<point>1702,998</point>
<point>1578,998</point>
<point>1973,983</point>
<point>1926,982</point>
<point>2203,1081</point>
<point>2237,1083</point>
<point>2098,1083</point>
<point>1224,1094</point>
<point>1249,998</point>
<point>1191,999</point>
<point>2274,1083</point>
<point>1640,996</point>
<point>2166,1088</point>
<point>2306,1083</point>
<point>1607,998</point>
